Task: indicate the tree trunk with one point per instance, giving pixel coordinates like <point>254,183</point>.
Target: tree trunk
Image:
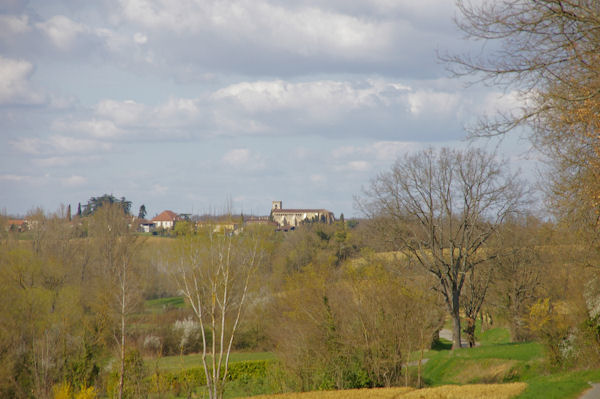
<point>455,320</point>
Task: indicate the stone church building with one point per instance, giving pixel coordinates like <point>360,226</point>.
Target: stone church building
<point>293,217</point>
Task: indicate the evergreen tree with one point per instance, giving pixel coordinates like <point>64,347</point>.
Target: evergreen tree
<point>142,212</point>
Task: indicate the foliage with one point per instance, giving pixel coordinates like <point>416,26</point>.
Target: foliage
<point>180,380</point>
<point>135,384</point>
<point>350,327</point>
<point>95,203</point>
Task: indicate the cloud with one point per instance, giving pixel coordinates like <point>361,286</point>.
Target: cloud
<point>13,25</point>
<point>354,166</point>
<point>243,158</point>
<point>301,30</point>
<point>15,86</point>
<point>62,31</point>
<point>63,161</point>
<point>160,189</point>
<point>74,181</point>
<point>140,38</point>
<point>59,144</point>
<point>13,178</point>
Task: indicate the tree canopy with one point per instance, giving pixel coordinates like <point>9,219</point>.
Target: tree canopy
<point>95,203</point>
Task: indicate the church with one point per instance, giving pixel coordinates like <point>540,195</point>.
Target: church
<point>294,217</point>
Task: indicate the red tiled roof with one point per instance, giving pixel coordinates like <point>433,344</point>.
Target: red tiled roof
<point>166,216</point>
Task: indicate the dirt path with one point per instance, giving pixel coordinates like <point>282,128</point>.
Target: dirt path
<point>592,393</point>
<point>447,334</point>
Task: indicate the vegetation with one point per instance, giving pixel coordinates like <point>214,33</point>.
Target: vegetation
<point>91,309</point>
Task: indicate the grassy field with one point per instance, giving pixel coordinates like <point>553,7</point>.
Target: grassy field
<point>498,361</point>
<point>174,363</point>
<point>161,304</point>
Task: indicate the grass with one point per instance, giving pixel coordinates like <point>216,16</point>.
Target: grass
<point>160,304</point>
<point>174,363</point>
<point>559,385</point>
<point>498,360</point>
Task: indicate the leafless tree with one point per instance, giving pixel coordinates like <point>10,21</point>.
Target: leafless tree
<point>214,271</point>
<point>548,52</point>
<point>546,49</point>
<point>442,207</point>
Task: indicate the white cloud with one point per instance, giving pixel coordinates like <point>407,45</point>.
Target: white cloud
<point>13,178</point>
<point>422,101</point>
<point>160,189</point>
<point>13,25</point>
<point>243,158</point>
<point>62,31</point>
<point>26,145</point>
<point>354,166</point>
<point>318,179</point>
<point>74,181</point>
<point>62,161</point>
<point>15,87</point>
<point>75,145</point>
<point>59,144</point>
<point>140,38</point>
<point>304,30</point>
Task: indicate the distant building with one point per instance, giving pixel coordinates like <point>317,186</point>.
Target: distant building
<point>166,220</point>
<point>294,217</point>
<point>19,225</point>
<point>146,226</point>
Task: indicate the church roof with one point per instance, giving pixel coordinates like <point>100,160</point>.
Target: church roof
<point>301,211</point>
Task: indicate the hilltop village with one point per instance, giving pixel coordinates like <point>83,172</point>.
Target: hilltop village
<point>280,219</point>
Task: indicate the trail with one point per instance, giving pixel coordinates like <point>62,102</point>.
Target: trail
<point>592,393</point>
<point>447,334</point>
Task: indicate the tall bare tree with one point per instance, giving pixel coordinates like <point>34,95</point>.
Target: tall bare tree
<point>442,207</point>
<point>214,272</point>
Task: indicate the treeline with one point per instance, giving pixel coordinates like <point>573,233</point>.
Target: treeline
<point>342,305</point>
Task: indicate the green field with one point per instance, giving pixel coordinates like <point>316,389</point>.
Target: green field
<point>174,363</point>
<point>499,361</point>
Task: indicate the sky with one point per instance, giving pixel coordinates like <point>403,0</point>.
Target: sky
<point>187,105</point>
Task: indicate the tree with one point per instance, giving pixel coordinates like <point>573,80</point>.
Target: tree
<point>142,212</point>
<point>95,203</point>
<point>548,53</point>
<point>214,272</point>
<point>441,208</point>
<point>119,278</point>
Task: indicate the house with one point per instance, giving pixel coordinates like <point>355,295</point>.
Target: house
<point>19,225</point>
<point>166,220</point>
<point>146,226</point>
<point>294,217</point>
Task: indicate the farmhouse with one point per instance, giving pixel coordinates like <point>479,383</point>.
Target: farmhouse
<point>166,220</point>
<point>293,217</point>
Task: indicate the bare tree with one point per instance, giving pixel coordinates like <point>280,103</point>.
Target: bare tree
<point>548,53</point>
<point>214,271</point>
<point>442,208</point>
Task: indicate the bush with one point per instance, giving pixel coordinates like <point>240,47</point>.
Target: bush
<point>185,380</point>
<point>135,381</point>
